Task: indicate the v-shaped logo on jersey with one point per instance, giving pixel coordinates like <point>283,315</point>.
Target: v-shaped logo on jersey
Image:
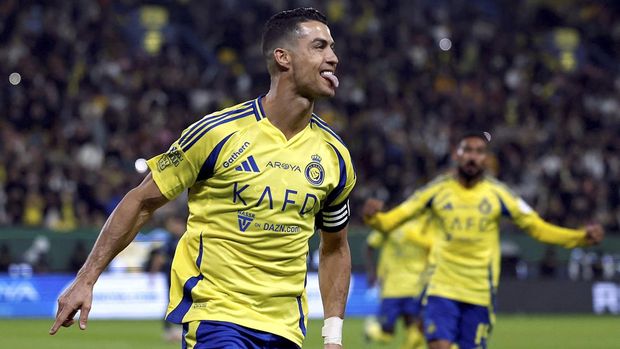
<point>244,221</point>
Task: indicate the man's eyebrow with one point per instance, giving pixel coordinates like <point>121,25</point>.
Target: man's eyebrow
<point>323,41</point>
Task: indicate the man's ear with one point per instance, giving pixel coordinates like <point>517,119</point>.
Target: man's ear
<point>282,58</point>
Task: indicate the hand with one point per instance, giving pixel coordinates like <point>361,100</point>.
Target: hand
<point>79,296</point>
<point>371,207</point>
<point>594,234</point>
<point>332,346</point>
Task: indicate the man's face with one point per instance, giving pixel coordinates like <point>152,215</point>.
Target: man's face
<point>471,157</point>
<point>314,61</point>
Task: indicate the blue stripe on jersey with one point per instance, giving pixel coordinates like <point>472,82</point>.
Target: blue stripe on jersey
<point>253,163</point>
<point>259,103</point>
<point>322,124</point>
<point>199,259</point>
<point>493,305</point>
<point>429,204</point>
<point>258,108</point>
<point>177,314</point>
<point>209,119</point>
<point>206,129</point>
<point>505,211</point>
<point>208,168</point>
<point>185,330</point>
<point>341,183</point>
<point>302,326</point>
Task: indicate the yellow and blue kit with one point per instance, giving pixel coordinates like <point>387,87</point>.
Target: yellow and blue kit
<point>401,268</point>
<point>465,259</point>
<point>403,257</point>
<point>465,255</point>
<point>254,200</point>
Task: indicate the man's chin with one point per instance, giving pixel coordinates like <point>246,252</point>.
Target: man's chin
<point>471,174</point>
<point>325,94</point>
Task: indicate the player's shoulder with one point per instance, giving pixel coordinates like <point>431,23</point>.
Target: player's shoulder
<point>220,124</point>
<point>439,181</point>
<point>327,134</point>
<point>496,185</point>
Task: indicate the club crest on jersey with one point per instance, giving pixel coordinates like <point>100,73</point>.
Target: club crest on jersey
<point>315,174</point>
<point>244,219</point>
<point>485,206</point>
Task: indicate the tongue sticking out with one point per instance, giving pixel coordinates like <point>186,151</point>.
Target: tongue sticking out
<point>332,78</point>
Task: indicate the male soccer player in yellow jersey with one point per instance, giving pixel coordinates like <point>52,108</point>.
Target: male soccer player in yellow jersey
<point>465,257</point>
<point>261,176</point>
<point>400,273</point>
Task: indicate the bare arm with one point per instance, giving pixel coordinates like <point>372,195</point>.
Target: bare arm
<point>334,274</point>
<point>117,232</point>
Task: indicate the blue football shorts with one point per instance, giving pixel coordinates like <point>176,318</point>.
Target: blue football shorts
<point>465,324</point>
<point>393,308</point>
<point>227,335</point>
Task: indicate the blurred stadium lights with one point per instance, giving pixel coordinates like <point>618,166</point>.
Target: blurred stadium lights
<point>445,44</point>
<point>141,165</point>
<point>15,78</point>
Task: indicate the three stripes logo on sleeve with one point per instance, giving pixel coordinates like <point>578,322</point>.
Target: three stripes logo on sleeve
<point>248,165</point>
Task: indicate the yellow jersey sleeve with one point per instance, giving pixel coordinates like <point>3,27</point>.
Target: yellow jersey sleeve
<point>421,200</point>
<point>375,239</point>
<point>335,214</point>
<point>527,219</point>
<point>191,158</point>
<point>421,234</point>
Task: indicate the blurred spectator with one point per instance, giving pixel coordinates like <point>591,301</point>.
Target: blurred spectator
<point>510,258</point>
<point>160,260</point>
<point>5,258</point>
<point>104,83</point>
<point>78,257</point>
<point>156,261</point>
<point>548,266</point>
<point>574,264</point>
<point>37,255</point>
<point>609,266</point>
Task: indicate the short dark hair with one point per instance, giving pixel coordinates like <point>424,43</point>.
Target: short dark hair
<point>485,136</point>
<point>283,24</point>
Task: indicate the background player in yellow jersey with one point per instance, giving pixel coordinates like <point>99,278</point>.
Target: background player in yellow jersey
<point>261,175</point>
<point>465,270</point>
<point>400,271</point>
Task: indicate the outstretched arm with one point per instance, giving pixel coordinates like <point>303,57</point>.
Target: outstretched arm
<point>386,222</point>
<point>334,279</point>
<point>527,219</point>
<point>543,231</point>
<point>118,231</point>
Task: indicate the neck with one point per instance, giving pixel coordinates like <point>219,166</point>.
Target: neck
<point>468,181</point>
<point>285,109</point>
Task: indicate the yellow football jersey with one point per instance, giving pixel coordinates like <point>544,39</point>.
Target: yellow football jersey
<point>403,257</point>
<point>465,257</point>
<point>254,201</point>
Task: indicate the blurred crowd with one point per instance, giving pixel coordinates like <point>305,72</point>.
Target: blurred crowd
<point>103,83</point>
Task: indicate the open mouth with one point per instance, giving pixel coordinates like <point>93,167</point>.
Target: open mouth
<point>331,77</point>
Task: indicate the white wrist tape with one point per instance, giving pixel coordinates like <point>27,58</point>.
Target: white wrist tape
<point>332,331</point>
